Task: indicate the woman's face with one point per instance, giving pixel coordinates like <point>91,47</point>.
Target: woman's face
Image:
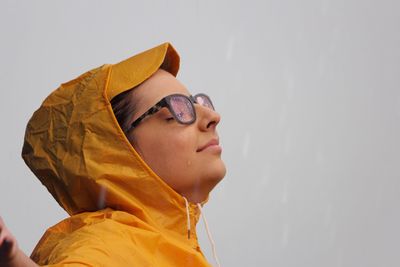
<point>175,151</point>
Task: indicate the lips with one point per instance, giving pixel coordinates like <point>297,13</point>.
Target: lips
<point>212,142</point>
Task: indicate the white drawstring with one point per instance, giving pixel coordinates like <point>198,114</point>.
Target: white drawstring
<point>188,216</point>
<point>209,235</point>
<point>206,225</point>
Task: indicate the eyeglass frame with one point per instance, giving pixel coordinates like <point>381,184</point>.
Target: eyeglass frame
<point>164,103</point>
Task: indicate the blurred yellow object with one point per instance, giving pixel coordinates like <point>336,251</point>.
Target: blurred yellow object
<point>122,213</point>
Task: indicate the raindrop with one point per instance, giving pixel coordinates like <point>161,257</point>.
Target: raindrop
<point>102,198</point>
<point>265,180</point>
<point>339,259</point>
<point>332,234</point>
<point>282,116</point>
<point>246,144</point>
<point>285,235</point>
<point>336,32</point>
<point>229,49</point>
<point>324,7</point>
<point>290,82</point>
<point>285,192</point>
<point>287,143</point>
<point>319,155</point>
<point>328,215</point>
<point>321,64</point>
<point>398,105</point>
<point>378,197</point>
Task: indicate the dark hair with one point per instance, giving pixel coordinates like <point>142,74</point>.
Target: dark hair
<point>124,109</point>
<point>124,106</point>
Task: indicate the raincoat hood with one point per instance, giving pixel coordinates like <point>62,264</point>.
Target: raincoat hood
<point>75,146</point>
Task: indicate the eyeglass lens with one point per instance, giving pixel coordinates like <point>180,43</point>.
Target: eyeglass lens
<point>204,101</point>
<point>182,108</point>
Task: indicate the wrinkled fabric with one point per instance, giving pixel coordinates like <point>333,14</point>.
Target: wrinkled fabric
<point>122,213</point>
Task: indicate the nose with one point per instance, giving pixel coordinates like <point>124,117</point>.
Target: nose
<point>207,118</point>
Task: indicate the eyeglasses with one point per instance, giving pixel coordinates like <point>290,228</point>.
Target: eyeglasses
<point>180,106</point>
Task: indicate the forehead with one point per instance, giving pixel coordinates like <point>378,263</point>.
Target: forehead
<point>159,85</point>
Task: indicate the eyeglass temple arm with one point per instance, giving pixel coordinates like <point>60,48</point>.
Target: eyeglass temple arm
<point>149,112</point>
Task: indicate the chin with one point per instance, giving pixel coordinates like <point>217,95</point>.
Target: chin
<point>216,174</point>
<point>211,175</point>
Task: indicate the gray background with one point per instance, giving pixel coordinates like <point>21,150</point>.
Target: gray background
<point>309,96</point>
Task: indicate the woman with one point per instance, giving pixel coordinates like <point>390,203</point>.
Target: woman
<point>131,167</point>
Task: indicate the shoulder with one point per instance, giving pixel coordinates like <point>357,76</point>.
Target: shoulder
<point>101,238</point>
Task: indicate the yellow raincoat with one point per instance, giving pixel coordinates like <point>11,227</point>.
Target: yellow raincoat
<point>122,213</point>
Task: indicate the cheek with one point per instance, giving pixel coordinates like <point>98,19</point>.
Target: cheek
<point>166,151</point>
